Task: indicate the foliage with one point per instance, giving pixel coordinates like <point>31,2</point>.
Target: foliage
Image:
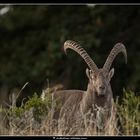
<point>34,101</point>
<point>32,39</point>
<point>129,112</point>
<point>40,107</point>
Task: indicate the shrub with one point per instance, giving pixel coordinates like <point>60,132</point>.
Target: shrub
<point>129,113</point>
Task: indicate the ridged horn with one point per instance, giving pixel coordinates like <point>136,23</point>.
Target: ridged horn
<point>119,47</point>
<point>77,48</point>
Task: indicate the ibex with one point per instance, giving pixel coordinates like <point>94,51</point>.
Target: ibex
<point>98,93</point>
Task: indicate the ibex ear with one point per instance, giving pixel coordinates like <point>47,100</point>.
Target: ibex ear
<point>111,73</point>
<point>88,73</point>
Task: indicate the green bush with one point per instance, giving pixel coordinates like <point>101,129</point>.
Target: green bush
<point>129,113</point>
<point>40,107</point>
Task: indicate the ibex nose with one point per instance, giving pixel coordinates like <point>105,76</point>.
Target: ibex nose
<point>102,87</point>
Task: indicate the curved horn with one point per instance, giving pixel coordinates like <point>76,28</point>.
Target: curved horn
<point>77,48</point>
<point>119,47</point>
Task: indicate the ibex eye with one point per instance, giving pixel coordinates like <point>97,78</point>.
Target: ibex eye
<point>93,77</point>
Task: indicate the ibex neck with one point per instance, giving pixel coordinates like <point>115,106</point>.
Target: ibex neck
<point>90,101</point>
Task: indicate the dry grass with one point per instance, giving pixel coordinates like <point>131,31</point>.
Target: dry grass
<point>26,124</point>
<point>58,128</point>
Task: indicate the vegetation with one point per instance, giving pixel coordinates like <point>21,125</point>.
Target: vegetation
<point>39,122</point>
<point>32,39</point>
<point>129,112</point>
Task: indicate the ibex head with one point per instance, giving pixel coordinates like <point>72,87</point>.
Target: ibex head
<point>99,79</point>
<point>99,83</point>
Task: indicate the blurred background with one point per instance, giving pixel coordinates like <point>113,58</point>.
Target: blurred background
<point>32,38</point>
